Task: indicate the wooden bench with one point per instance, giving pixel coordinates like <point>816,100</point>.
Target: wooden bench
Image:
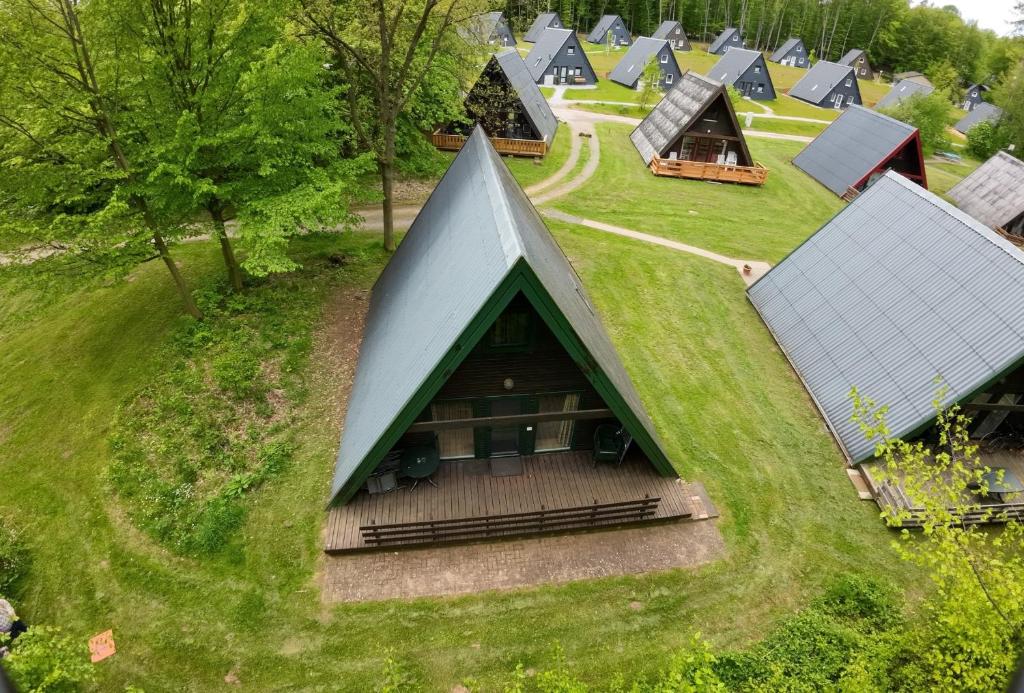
<point>534,522</point>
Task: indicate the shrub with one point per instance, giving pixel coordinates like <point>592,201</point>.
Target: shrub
<point>44,659</point>
<point>14,557</point>
<point>929,114</point>
<point>861,601</point>
<point>985,139</point>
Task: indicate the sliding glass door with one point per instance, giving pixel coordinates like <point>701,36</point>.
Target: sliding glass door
<point>556,435</point>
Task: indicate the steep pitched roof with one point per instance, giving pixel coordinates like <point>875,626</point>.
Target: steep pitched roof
<point>476,244</point>
<point>853,146</point>
<point>542,22</point>
<point>902,90</point>
<point>537,109</point>
<point>898,288</point>
<point>851,56</point>
<point>631,67</point>
<point>982,112</point>
<point>665,29</point>
<point>913,76</point>
<point>481,27</point>
<point>733,64</point>
<point>601,28</point>
<point>723,37</point>
<point>545,50</point>
<point>820,79</point>
<point>784,49</point>
<point>994,192</point>
<point>677,112</point>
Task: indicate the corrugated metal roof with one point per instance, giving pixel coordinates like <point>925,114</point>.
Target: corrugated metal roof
<point>600,31</point>
<point>722,39</point>
<point>994,192</point>
<point>537,108</point>
<point>542,22</point>
<point>476,228</point>
<point>784,49</point>
<point>851,147</point>
<point>677,112</point>
<point>820,80</point>
<point>982,112</point>
<point>631,67</point>
<point>665,29</point>
<point>733,64</point>
<point>545,50</point>
<point>899,288</point>
<point>901,91</point>
<point>851,56</point>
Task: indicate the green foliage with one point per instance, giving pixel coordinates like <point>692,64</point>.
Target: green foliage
<point>1008,97</point>
<point>397,678</point>
<point>45,660</point>
<point>929,114</point>
<point>14,557</point>
<point>650,83</point>
<point>985,139</point>
<point>946,80</point>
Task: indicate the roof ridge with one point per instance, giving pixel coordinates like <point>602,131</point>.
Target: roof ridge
<point>511,244</point>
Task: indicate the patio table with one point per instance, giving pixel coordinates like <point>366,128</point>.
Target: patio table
<point>420,462</point>
<point>1000,489</point>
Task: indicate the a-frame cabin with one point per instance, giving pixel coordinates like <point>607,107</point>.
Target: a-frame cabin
<point>488,400</point>
<point>693,133</point>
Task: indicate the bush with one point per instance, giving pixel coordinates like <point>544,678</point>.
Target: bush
<point>14,557</point>
<point>44,659</point>
<point>985,139</point>
<point>860,601</point>
<point>929,114</point>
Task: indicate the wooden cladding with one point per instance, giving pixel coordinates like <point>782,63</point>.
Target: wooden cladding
<point>722,173</point>
<point>512,420</point>
<point>503,145</point>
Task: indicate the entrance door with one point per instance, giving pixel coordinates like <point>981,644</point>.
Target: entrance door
<point>556,435</point>
<point>562,75</point>
<point>839,100</point>
<point>505,440</point>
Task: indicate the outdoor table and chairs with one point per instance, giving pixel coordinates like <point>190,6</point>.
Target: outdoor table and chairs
<point>419,463</point>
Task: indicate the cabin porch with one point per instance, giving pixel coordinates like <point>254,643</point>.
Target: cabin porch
<point>503,145</point>
<point>485,499</point>
<point>701,170</point>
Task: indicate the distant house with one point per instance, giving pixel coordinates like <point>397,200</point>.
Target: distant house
<point>544,20</point>
<point>792,53</point>
<point>486,387</point>
<point>915,77</point>
<point>489,28</point>
<point>672,31</point>
<point>746,71</point>
<point>858,60</point>
<point>982,113</point>
<point>896,290</point>
<point>507,103</point>
<point>859,147</point>
<point>974,95</point>
<point>611,30</point>
<point>558,58</point>
<point>630,69</point>
<point>901,91</point>
<point>828,85</point>
<point>730,38</point>
<point>693,133</point>
<point>994,194</point>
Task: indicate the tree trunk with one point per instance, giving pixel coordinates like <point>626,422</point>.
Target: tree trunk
<point>387,180</point>
<point>234,269</point>
<point>179,281</point>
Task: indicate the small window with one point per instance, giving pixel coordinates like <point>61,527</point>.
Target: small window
<point>664,60</point>
<point>668,78</point>
<point>757,69</point>
<point>678,30</point>
<point>579,70</point>
<point>849,82</point>
<point>510,331</point>
<point>760,88</point>
<point>799,49</point>
<point>571,50</point>
<point>974,93</point>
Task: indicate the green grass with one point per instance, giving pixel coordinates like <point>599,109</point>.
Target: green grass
<point>943,175</point>
<point>613,109</point>
<point>548,92</point>
<point>604,90</point>
<point>784,127</point>
<point>744,222</point>
<point>788,106</point>
<point>528,170</point>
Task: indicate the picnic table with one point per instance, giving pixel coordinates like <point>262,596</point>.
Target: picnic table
<point>1001,488</point>
<point>420,462</point>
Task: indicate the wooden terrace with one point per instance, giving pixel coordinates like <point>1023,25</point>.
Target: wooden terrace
<point>502,145</point>
<point>480,499</point>
<point>699,170</point>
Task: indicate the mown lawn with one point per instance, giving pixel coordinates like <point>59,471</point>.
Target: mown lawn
<point>605,90</point>
<point>744,222</point>
<point>784,127</point>
<point>943,175</point>
<point>528,170</point>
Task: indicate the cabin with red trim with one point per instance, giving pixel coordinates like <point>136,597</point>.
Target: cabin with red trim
<point>858,148</point>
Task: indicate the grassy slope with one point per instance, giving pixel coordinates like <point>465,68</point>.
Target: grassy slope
<point>745,222</point>
<point>528,170</point>
<point>943,175</point>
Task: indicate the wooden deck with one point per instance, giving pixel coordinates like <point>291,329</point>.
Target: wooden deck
<point>722,173</point>
<point>503,145</point>
<point>556,492</point>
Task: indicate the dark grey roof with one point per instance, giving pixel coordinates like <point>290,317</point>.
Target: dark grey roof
<point>722,38</point>
<point>733,64</point>
<point>602,27</point>
<point>536,106</point>
<point>545,50</point>
<point>899,288</point>
<point>852,147</point>
<point>784,49</point>
<point>476,229</point>
<point>820,80</point>
<point>851,56</point>
<point>631,67</point>
<point>481,27</point>
<point>542,22</point>
<point>902,90</point>
<point>665,29</point>
<point>994,192</point>
<point>981,112</point>
<point>676,112</point>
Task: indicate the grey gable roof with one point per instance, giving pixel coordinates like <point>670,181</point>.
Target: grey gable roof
<point>481,26</point>
<point>852,147</point>
<point>631,67</point>
<point>536,106</point>
<point>981,112</point>
<point>542,22</point>
<point>784,50</point>
<point>851,56</point>
<point>545,50</point>
<point>820,80</point>
<point>476,233</point>
<point>721,40</point>
<point>733,64</point>
<point>665,29</point>
<point>676,112</point>
<point>994,192</point>
<point>898,288</point>
<point>602,27</point>
<point>903,89</point>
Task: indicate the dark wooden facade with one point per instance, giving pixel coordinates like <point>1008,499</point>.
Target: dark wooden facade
<point>714,138</point>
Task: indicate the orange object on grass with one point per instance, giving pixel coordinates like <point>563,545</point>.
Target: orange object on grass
<point>101,646</point>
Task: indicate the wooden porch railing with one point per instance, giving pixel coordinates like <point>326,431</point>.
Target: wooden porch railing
<point>724,173</point>
<point>503,145</point>
<point>1016,240</point>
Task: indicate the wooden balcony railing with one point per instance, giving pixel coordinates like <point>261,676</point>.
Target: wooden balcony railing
<point>724,173</point>
<point>1012,238</point>
<point>503,145</point>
